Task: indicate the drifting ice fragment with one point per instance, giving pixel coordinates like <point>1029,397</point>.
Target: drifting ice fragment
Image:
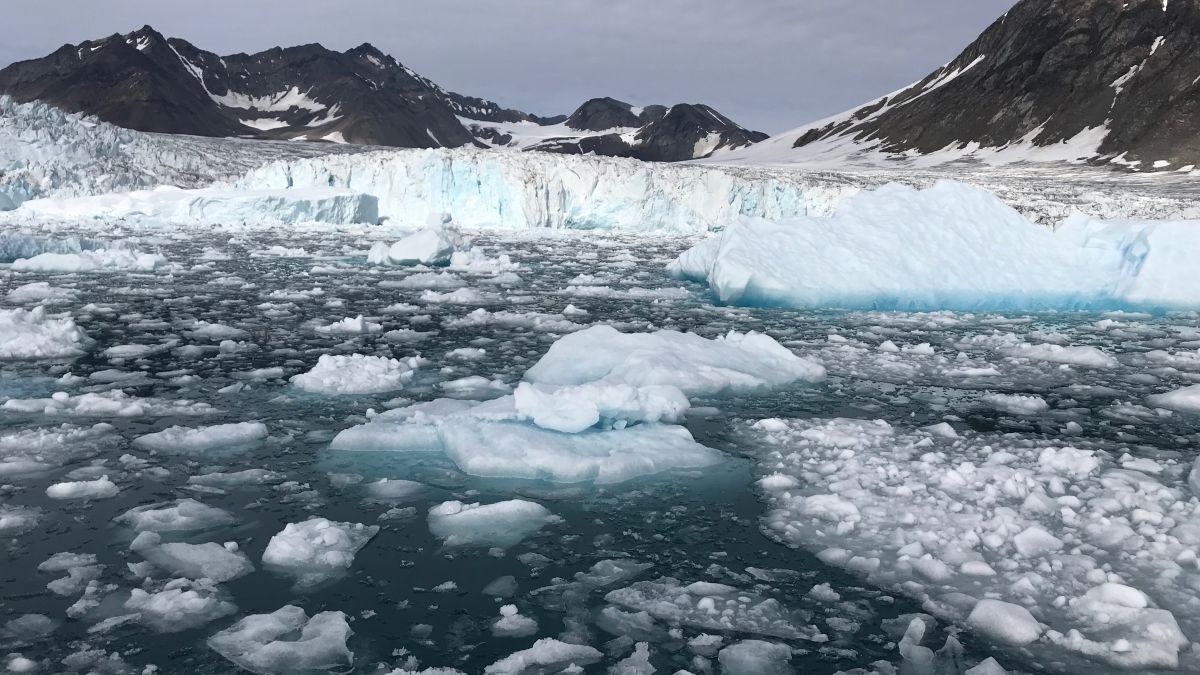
<point>195,440</point>
<point>317,550</point>
<point>501,524</point>
<point>546,655</point>
<point>356,374</point>
<point>286,641</point>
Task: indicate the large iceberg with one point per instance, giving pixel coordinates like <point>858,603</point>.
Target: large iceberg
<point>601,406</point>
<point>950,246</point>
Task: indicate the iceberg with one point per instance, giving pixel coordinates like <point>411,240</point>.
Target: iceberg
<point>434,245</point>
<point>950,246</point>
<point>356,374</point>
<point>502,524</point>
<point>317,550</point>
<point>601,406</point>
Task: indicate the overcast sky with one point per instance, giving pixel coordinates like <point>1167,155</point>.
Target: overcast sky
<point>769,64</point>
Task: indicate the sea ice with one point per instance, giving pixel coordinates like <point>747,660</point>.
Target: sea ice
<point>197,440</point>
<point>429,246</point>
<point>183,515</point>
<point>31,334</point>
<point>99,260</point>
<point>356,374</point>
<point>502,524</point>
<point>286,641</point>
<point>194,561</point>
<point>180,605</point>
<point>317,550</point>
<point>547,655</point>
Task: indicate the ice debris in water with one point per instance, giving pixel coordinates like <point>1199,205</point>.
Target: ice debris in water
<point>712,606</point>
<point>501,524</point>
<point>961,522</point>
<point>32,334</point>
<point>286,641</point>
<point>350,326</point>
<point>432,245</point>
<point>356,374</point>
<point>317,550</point>
<point>195,561</point>
<point>513,624</point>
<point>100,260</point>
<point>198,440</point>
<point>179,605</point>
<point>756,657</point>
<point>100,488</point>
<point>107,404</point>
<point>546,655</point>
<point>183,515</point>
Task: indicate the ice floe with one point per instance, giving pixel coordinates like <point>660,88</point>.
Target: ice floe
<point>356,374</point>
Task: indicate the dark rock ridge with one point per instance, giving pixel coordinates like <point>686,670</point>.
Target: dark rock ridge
<point>654,133</point>
<point>1106,81</point>
<point>147,82</point>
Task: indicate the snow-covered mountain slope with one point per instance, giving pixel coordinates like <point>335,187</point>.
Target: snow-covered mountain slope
<point>45,152</point>
<point>1096,81</point>
<point>145,81</point>
<point>606,126</point>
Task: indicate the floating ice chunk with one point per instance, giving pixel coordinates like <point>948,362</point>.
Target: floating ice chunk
<point>194,561</point>
<point>428,246</point>
<point>462,296</point>
<point>356,374</point>
<point>1186,399</point>
<point>755,657</point>
<point>31,334</point>
<point>572,409</point>
<point>286,641</point>
<point>511,450</point>
<point>180,605</point>
<point>697,366</point>
<point>546,655</point>
<point>393,489</point>
<point>637,663</point>
<point>1117,626</point>
<point>101,488</point>
<point>40,291</point>
<point>1017,404</point>
<point>350,326</point>
<point>27,628</point>
<point>513,624</point>
<point>550,323</point>
<point>711,607</point>
<point>184,515</point>
<point>101,260</point>
<point>1088,357</point>
<point>195,440</point>
<point>18,518</point>
<point>216,331</point>
<point>988,666</point>
<point>1033,541</point>
<point>107,404</point>
<point>317,550</point>
<point>475,261</point>
<point>502,587</point>
<point>1004,622</point>
<point>501,524</point>
<point>236,478</point>
<point>34,451</point>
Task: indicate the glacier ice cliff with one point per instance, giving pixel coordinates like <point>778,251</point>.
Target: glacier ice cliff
<point>514,190</point>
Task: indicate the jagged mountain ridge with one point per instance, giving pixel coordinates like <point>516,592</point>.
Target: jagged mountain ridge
<point>147,82</point>
<point>1101,81</point>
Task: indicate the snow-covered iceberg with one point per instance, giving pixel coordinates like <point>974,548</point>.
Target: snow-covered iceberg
<point>950,246</point>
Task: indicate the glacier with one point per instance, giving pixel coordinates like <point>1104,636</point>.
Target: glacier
<point>950,246</point>
<point>515,190</point>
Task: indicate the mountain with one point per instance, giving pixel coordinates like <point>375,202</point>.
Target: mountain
<point>606,126</point>
<point>147,82</point>
<point>1103,81</point>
